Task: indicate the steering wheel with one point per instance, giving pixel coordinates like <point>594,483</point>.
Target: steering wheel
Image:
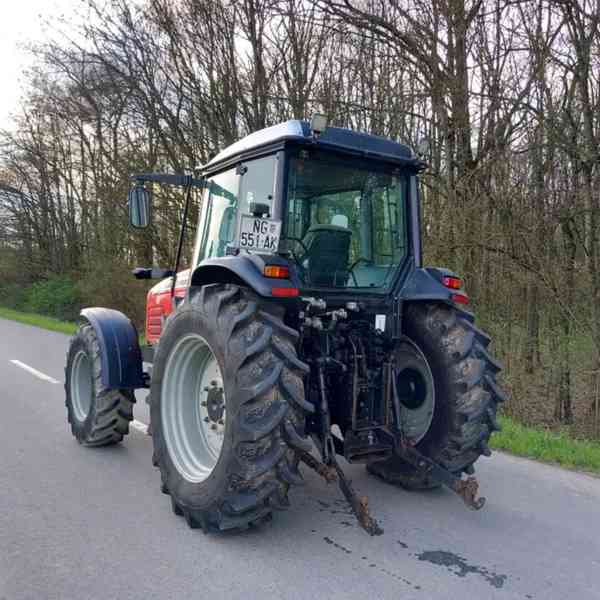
<point>294,239</point>
<point>296,258</point>
<point>353,266</point>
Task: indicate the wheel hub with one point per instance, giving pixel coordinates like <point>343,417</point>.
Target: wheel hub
<point>215,403</point>
<point>416,391</point>
<point>412,388</point>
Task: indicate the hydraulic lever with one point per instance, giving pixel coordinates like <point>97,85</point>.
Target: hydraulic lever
<point>329,469</point>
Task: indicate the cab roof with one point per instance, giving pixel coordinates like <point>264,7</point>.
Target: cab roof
<point>334,138</point>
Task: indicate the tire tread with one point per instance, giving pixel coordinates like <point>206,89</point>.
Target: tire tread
<point>260,357</point>
<point>112,409</point>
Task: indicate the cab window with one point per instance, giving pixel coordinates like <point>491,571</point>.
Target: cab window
<point>219,215</point>
<point>346,224</point>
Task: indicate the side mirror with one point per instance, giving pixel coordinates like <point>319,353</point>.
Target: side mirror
<point>139,206</point>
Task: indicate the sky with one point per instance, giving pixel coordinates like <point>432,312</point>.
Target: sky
<point>23,21</point>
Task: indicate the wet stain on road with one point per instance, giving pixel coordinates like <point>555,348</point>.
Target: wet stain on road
<point>458,565</point>
<point>454,563</point>
<point>336,545</point>
<point>373,565</point>
<point>337,507</point>
<point>398,578</point>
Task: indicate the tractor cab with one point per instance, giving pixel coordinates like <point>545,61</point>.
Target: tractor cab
<point>345,221</point>
<point>335,204</point>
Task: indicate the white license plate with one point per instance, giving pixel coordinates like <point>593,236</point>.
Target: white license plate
<point>259,234</point>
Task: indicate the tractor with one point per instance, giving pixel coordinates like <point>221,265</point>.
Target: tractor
<point>306,329</point>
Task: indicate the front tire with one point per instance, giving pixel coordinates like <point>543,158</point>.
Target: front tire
<point>466,394</point>
<point>98,416</point>
<point>257,405</point>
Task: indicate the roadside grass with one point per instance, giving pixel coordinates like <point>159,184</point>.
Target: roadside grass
<point>38,320</point>
<point>547,446</point>
<point>45,322</point>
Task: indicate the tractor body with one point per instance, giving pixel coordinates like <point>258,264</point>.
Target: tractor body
<point>306,316</point>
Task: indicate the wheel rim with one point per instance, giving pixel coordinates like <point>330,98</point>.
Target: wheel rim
<point>416,391</point>
<point>81,385</point>
<point>193,410</point>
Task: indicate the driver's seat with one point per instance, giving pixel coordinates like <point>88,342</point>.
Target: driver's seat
<point>328,252</point>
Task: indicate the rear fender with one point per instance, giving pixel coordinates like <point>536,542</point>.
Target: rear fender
<point>119,348</point>
<point>426,284</point>
<point>246,269</point>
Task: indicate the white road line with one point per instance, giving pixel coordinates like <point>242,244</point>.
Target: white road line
<point>33,371</point>
<point>139,426</point>
<point>135,423</point>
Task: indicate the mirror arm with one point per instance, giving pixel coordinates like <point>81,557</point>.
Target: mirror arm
<point>182,234</point>
<point>151,273</point>
<point>169,179</point>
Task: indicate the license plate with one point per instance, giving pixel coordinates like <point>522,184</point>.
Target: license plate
<point>259,234</point>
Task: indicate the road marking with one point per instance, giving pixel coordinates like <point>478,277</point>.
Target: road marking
<point>139,426</point>
<point>135,423</point>
<point>33,371</point>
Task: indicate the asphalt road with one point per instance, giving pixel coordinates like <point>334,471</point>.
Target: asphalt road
<point>79,523</point>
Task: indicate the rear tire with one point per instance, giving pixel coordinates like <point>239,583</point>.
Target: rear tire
<point>262,397</point>
<point>98,416</point>
<point>466,394</point>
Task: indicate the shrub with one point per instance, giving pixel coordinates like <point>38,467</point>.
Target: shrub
<point>112,285</point>
<point>56,297</point>
<point>12,295</point>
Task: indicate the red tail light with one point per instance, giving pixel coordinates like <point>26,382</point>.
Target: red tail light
<point>460,298</point>
<point>454,283</point>
<point>285,292</point>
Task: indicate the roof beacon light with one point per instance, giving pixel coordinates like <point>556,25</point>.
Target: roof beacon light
<point>318,124</point>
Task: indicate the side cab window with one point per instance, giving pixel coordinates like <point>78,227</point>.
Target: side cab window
<point>217,223</point>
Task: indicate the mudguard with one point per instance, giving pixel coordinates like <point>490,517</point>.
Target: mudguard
<point>426,284</point>
<point>119,348</point>
<point>245,269</point>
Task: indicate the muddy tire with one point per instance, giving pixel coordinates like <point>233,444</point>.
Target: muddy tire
<point>466,393</point>
<point>98,416</point>
<point>227,363</point>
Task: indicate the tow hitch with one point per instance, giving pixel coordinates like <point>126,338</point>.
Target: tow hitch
<point>465,488</point>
